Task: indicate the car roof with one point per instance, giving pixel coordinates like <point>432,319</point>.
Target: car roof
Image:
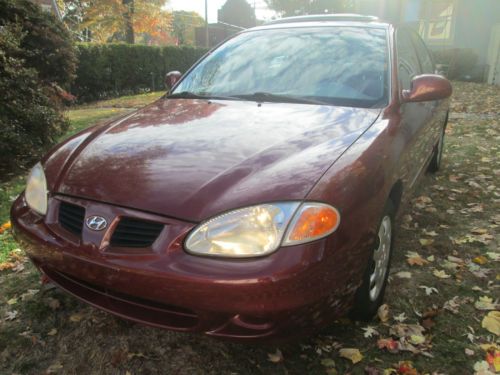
<point>340,19</point>
<point>326,17</point>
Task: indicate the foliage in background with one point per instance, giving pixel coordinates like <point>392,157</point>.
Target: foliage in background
<point>131,21</point>
<point>461,64</point>
<point>184,25</point>
<point>288,8</point>
<point>108,70</point>
<point>238,13</point>
<point>36,59</point>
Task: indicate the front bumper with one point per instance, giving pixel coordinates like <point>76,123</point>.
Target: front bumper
<point>294,289</point>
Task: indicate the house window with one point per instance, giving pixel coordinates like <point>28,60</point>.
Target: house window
<point>437,21</point>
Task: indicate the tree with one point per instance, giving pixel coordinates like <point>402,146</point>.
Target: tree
<point>184,25</point>
<point>118,20</point>
<point>238,13</point>
<point>128,18</point>
<point>289,8</point>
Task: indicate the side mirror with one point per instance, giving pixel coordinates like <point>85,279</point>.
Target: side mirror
<point>171,79</point>
<point>427,87</point>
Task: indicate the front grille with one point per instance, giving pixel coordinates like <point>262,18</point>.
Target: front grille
<point>135,233</point>
<point>71,217</point>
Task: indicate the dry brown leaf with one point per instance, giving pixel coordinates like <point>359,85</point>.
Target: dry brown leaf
<point>441,274</point>
<point>52,332</point>
<point>275,357</point>
<point>404,275</point>
<point>491,322</point>
<point>485,303</point>
<point>383,313</point>
<point>390,344</point>
<point>75,318</point>
<point>352,354</point>
<point>426,241</point>
<point>480,260</point>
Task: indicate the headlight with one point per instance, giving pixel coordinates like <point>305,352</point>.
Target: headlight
<point>36,190</point>
<point>259,230</point>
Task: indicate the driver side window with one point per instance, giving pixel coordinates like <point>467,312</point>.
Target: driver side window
<point>408,64</point>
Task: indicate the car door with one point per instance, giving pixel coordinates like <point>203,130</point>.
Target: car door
<point>438,111</point>
<point>416,118</point>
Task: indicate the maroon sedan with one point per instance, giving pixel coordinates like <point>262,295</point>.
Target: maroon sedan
<point>259,196</point>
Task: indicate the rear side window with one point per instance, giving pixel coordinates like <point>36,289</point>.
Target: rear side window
<point>423,54</point>
<point>408,63</point>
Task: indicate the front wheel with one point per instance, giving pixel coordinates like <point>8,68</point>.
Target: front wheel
<point>370,295</point>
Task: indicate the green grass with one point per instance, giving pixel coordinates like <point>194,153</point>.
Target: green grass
<point>85,117</point>
<point>131,101</point>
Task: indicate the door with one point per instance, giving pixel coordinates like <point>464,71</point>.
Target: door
<point>438,111</point>
<point>416,118</point>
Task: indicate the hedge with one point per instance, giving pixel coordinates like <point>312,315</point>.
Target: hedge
<point>108,70</point>
<point>37,59</point>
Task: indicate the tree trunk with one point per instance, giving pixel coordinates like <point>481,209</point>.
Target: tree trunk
<point>129,21</point>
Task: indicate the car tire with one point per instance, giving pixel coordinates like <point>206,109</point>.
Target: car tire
<point>435,163</point>
<point>370,294</point>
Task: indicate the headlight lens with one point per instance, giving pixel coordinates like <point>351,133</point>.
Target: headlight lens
<point>259,230</point>
<point>36,190</point>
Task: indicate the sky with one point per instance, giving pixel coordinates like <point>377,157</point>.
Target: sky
<point>198,6</point>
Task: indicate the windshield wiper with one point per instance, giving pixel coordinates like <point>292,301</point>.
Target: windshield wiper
<point>192,95</point>
<point>277,98</point>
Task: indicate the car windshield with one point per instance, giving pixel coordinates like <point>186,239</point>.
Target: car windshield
<point>336,65</point>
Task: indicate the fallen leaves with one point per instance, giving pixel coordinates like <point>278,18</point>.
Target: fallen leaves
<point>5,227</point>
<point>352,354</point>
<point>383,313</point>
<point>492,356</point>
<point>429,289</point>
<point>426,241</point>
<point>495,257</point>
<point>485,303</point>
<point>75,318</point>
<point>369,332</point>
<point>404,275</point>
<point>441,274</point>
<point>275,357</point>
<point>11,315</point>
<point>481,259</point>
<point>491,322</point>
<point>52,332</point>
<point>414,259</point>
<point>405,337</point>
<point>389,344</point>
<point>15,260</point>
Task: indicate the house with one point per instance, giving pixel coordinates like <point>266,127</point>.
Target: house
<point>233,16</point>
<point>217,33</point>
<point>463,34</point>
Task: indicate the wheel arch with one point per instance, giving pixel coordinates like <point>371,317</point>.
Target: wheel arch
<point>396,194</point>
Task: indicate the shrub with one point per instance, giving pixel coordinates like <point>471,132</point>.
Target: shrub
<point>107,70</point>
<point>30,76</point>
<point>46,45</point>
<point>461,62</point>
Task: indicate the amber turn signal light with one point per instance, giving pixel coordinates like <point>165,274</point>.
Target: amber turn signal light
<point>312,221</point>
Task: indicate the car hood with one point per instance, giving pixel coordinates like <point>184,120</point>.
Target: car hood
<point>191,159</point>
